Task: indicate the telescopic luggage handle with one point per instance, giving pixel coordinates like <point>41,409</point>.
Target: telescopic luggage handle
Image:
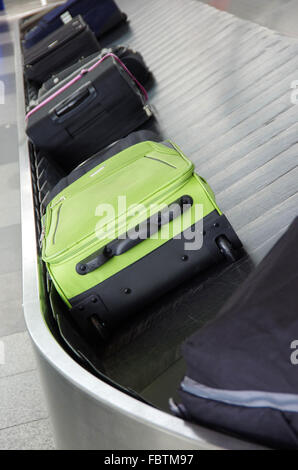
<point>74,103</point>
<point>144,231</point>
<point>81,74</point>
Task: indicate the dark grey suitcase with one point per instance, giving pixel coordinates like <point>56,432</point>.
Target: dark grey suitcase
<point>94,109</point>
<point>59,50</point>
<point>100,15</point>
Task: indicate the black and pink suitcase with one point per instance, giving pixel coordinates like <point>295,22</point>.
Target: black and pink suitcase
<point>59,50</point>
<point>132,59</point>
<point>98,106</point>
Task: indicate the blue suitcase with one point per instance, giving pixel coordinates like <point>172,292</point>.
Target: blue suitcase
<point>100,15</point>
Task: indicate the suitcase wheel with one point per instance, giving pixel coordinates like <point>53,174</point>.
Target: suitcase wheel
<point>100,328</point>
<point>226,248</point>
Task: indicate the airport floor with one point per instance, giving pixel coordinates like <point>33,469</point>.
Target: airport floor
<point>24,422</point>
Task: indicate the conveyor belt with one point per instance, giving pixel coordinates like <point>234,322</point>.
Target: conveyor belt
<point>223,93</point>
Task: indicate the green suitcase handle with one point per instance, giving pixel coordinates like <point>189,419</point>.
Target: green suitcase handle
<point>144,231</point>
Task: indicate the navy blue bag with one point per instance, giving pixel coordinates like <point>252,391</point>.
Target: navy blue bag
<point>242,367</point>
<point>100,15</point>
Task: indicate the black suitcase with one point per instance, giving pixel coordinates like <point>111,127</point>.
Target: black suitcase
<point>242,367</point>
<point>100,15</point>
<point>60,49</point>
<point>133,61</point>
<point>92,110</point>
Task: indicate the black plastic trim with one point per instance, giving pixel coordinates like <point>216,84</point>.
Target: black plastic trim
<point>133,288</point>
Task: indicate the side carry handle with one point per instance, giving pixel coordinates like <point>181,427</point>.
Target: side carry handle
<point>135,236</point>
<point>74,103</point>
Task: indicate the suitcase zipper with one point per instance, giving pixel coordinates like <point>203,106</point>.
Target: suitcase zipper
<point>148,110</point>
<point>161,161</point>
<point>57,222</point>
<point>58,202</point>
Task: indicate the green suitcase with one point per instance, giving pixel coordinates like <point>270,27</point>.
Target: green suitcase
<point>129,230</point>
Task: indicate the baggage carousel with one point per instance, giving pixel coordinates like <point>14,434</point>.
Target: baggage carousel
<point>222,91</point>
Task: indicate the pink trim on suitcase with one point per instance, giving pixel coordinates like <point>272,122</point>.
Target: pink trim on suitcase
<point>82,73</point>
